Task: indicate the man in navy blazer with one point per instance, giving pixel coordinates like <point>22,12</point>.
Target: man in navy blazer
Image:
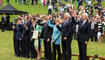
<point>46,35</point>
<point>67,34</point>
<point>83,37</point>
<point>3,21</point>
<point>17,38</point>
<point>26,37</point>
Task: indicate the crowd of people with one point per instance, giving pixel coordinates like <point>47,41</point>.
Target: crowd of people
<point>57,30</point>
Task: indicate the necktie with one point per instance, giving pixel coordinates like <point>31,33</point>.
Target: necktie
<point>45,24</point>
<point>81,25</point>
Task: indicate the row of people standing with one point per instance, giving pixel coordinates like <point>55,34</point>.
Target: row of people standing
<point>51,31</point>
<point>24,43</point>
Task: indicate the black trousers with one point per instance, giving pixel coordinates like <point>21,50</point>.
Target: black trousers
<point>23,48</point>
<point>27,47</point>
<point>75,35</point>
<point>66,48</point>
<point>56,48</point>
<point>82,51</point>
<point>92,34</point>
<point>17,47</point>
<point>32,49</point>
<point>95,36</point>
<point>47,49</point>
<point>3,28</point>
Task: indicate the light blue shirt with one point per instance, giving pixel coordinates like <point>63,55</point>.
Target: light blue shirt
<point>56,33</point>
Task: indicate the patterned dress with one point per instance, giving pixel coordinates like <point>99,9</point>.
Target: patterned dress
<point>39,29</point>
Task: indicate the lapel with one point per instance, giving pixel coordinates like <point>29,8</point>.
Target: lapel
<point>45,24</point>
<point>80,24</point>
<point>82,27</point>
<point>65,23</point>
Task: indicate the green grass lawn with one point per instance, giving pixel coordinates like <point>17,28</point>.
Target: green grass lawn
<point>7,50</point>
<point>6,38</point>
<point>31,9</point>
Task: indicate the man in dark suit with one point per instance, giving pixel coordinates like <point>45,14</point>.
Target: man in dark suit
<point>3,20</point>
<point>95,31</point>
<point>46,35</point>
<point>31,41</point>
<point>67,34</point>
<point>14,36</point>
<point>21,42</point>
<point>21,26</point>
<point>83,37</point>
<point>17,39</point>
<point>26,37</point>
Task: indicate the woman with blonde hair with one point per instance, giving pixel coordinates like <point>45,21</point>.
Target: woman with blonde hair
<point>55,38</point>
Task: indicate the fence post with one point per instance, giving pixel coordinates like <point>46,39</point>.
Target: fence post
<point>88,58</point>
<point>78,57</point>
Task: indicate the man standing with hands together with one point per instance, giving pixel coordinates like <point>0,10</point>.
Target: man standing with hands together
<point>83,37</point>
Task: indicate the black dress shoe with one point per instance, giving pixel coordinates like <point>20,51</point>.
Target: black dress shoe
<point>27,57</point>
<point>17,55</point>
<point>32,57</point>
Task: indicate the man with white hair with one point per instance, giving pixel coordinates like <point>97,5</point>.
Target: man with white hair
<point>67,34</point>
<point>83,36</point>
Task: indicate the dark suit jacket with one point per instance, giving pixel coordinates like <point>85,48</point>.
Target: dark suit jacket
<point>31,29</point>
<point>3,20</point>
<point>26,31</point>
<point>18,32</point>
<point>14,33</point>
<point>66,29</point>
<point>83,32</point>
<point>46,31</point>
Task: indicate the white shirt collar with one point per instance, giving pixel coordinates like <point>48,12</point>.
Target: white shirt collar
<point>84,21</point>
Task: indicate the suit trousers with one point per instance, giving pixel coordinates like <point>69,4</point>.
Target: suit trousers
<point>27,47</point>
<point>23,48</point>
<point>95,36</point>
<point>66,48</point>
<point>16,47</point>
<point>82,51</point>
<point>32,49</point>
<point>92,34</point>
<point>3,28</point>
<point>47,49</point>
<point>56,48</point>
